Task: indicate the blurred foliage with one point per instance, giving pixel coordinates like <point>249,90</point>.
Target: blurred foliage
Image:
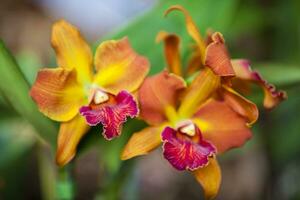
<point>267,32</point>
<point>15,90</point>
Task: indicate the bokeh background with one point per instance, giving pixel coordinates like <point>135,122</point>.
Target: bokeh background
<point>265,31</point>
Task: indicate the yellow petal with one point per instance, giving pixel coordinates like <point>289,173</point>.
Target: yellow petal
<point>57,93</point>
<point>71,50</point>
<point>172,54</point>
<point>240,104</point>
<point>210,178</point>
<point>199,91</point>
<point>191,28</point>
<point>119,67</point>
<point>142,142</point>
<point>69,136</point>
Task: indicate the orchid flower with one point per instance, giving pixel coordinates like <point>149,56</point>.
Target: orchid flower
<point>79,96</point>
<point>212,52</point>
<point>196,122</point>
<point>192,127</point>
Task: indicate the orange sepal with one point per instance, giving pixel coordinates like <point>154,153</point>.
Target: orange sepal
<point>69,136</point>
<point>209,178</point>
<point>72,52</point>
<point>191,28</point>
<point>172,53</point>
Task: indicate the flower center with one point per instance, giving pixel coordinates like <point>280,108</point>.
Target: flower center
<point>188,130</point>
<point>186,127</point>
<point>100,97</point>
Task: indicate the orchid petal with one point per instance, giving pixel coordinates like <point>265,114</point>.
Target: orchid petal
<point>209,178</point>
<point>119,67</point>
<point>240,104</point>
<point>70,133</point>
<point>221,125</point>
<point>142,142</point>
<point>205,83</point>
<point>244,72</point>
<point>172,53</point>
<point>217,57</point>
<point>185,154</point>
<point>112,116</point>
<point>191,27</point>
<point>57,93</point>
<point>71,50</point>
<point>157,94</point>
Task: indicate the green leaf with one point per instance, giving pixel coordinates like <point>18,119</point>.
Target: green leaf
<point>206,14</point>
<point>15,90</point>
<point>279,74</point>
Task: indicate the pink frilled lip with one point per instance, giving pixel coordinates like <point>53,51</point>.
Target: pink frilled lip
<point>184,152</point>
<point>112,115</point>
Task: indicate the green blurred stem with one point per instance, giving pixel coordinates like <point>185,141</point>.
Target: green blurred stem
<point>47,173</point>
<point>55,183</point>
<point>15,90</point>
<point>116,182</point>
<point>65,186</point>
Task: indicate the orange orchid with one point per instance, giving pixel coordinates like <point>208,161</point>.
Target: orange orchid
<point>212,53</point>
<point>192,126</point>
<point>195,122</point>
<point>77,97</point>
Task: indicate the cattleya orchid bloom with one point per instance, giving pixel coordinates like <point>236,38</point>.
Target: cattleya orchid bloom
<point>236,73</point>
<point>77,97</point>
<point>195,122</point>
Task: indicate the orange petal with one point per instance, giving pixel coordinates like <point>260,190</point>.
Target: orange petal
<point>210,178</point>
<point>244,72</point>
<point>221,125</point>
<point>57,93</point>
<point>172,54</point>
<point>142,142</point>
<point>240,104</point>
<point>119,67</point>
<point>69,136</point>
<point>217,57</point>
<point>198,92</point>
<point>71,50</point>
<point>157,94</point>
<point>191,27</point>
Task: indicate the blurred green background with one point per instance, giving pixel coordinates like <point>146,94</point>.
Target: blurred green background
<point>265,31</point>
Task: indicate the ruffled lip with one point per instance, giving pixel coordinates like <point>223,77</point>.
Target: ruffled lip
<point>185,152</point>
<point>111,115</point>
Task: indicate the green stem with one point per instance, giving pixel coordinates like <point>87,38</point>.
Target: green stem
<point>65,185</point>
<point>15,89</point>
<point>115,182</point>
<point>47,173</point>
